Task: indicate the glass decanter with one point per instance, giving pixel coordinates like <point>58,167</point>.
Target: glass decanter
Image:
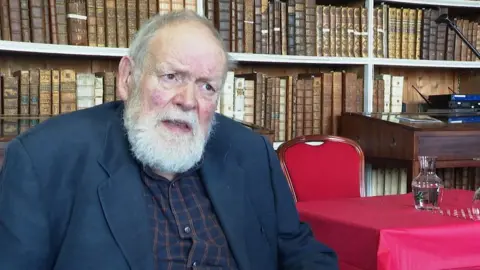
<point>427,187</point>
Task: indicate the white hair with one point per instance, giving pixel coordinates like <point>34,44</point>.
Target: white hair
<point>139,46</point>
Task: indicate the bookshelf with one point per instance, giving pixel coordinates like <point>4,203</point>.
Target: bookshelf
<point>369,63</point>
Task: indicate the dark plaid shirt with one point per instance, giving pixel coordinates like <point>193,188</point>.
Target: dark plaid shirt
<point>187,234</point>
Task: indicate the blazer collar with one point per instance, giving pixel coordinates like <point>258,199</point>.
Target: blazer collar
<point>122,198</point>
<point>125,210</point>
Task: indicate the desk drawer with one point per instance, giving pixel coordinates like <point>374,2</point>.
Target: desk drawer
<point>449,146</point>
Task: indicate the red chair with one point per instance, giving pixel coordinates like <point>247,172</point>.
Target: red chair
<point>321,167</point>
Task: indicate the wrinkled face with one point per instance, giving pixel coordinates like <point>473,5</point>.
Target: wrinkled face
<point>170,106</point>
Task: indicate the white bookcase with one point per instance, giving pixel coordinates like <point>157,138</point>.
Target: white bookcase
<point>369,63</point>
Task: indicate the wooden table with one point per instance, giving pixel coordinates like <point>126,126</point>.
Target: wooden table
<point>388,141</point>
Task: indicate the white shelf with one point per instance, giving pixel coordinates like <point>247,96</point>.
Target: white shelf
<point>42,48</point>
<point>296,59</point>
<point>450,3</point>
<point>425,63</point>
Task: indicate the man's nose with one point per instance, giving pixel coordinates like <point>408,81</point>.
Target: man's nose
<point>185,97</point>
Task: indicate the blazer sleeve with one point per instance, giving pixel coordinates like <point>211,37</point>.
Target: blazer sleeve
<point>298,249</point>
<point>24,234</point>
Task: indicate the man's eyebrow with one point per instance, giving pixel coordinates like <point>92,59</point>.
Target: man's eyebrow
<point>170,66</point>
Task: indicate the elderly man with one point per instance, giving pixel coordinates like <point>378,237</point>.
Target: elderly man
<point>158,183</point>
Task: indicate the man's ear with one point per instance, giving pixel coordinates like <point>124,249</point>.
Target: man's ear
<point>125,77</point>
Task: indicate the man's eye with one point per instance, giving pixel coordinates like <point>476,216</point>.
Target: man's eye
<point>170,76</point>
<point>209,87</point>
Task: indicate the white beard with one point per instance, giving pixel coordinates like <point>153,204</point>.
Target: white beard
<point>156,146</point>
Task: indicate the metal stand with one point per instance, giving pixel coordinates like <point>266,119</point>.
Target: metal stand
<point>444,19</point>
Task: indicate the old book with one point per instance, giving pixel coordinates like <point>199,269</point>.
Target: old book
<point>299,106</point>
<point>45,92</point>
<point>227,95</point>
<point>338,32</point>
<point>277,27</point>
<point>258,25</point>
<point>269,102</point>
<point>238,41</point>
<point>108,85</point>
<point>392,33</point>
<point>249,27</point>
<point>300,39</point>
<point>55,92</point>
<point>375,96</point>
<point>223,19</point>
<point>357,43</point>
<point>153,9</point>
<point>398,33</point>
<point>271,26</point>
<point>350,32</point>
<point>264,25</point>
<point>310,31</point>
<point>15,20</point>
<point>441,37</point>
<point>165,6</point>
<point>283,86</point>
<point>10,127</point>
<point>327,101</point>
<point>249,102</point>
<point>37,25</point>
<point>375,32</point>
<point>61,21</point>
<point>319,30</point>
<point>53,21</point>
<point>233,25</point>
<point>85,90</point>
<point>307,103</point>
<point>23,77</point>
<point>100,20</point>
<point>77,22</point>
<point>291,27</point>
<point>111,23</point>
<point>412,22</point>
<point>418,35</point>
<point>34,91</point>
<point>426,33</point>
<point>98,89</point>
<point>364,35</point>
<point>349,92</point>
<point>326,32</point>
<point>450,50</point>
<point>344,33</point>
<point>131,20</point>
<point>177,5</point>
<point>432,45</point>
<point>11,86</point>
<point>283,30</point>
<point>91,23</point>
<point>68,93</point>
<point>380,95</point>
<point>317,104</point>
<point>142,13</point>
<point>289,107</point>
<point>5,20</point>
<point>191,5</point>
<point>122,32</point>
<point>46,20</point>
<point>25,18</point>
<point>239,99</point>
<point>337,100</point>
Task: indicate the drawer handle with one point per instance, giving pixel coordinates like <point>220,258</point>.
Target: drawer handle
<point>393,143</point>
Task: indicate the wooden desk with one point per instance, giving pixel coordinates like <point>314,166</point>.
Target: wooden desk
<point>390,142</point>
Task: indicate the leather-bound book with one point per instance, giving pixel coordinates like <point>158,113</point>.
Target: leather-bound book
<point>25,17</point>
<point>77,22</point>
<point>45,92</point>
<point>15,20</point>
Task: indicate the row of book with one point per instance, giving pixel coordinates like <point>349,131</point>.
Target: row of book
<point>392,181</point>
<point>408,33</point>
<point>45,92</point>
<point>102,23</point>
<point>290,27</point>
<point>295,105</point>
<point>388,93</point>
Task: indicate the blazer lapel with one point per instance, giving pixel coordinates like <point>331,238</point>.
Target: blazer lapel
<point>224,183</point>
<point>123,204</point>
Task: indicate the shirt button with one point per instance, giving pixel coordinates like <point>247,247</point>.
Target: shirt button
<point>187,229</point>
<point>194,264</point>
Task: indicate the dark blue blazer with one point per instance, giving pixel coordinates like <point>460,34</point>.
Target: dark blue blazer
<point>71,199</point>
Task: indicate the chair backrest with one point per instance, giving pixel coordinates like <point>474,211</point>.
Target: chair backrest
<point>320,167</point>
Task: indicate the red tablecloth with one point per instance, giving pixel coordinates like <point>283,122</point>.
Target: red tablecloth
<point>387,232</point>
